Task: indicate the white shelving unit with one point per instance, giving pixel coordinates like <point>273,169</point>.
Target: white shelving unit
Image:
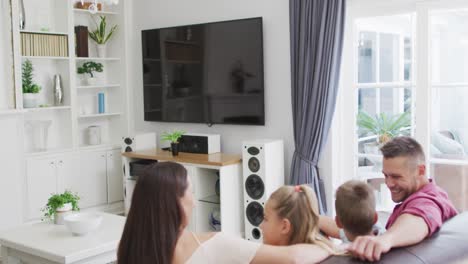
<point>67,134</point>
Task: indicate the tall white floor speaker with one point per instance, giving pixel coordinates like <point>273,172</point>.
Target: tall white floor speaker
<point>263,171</point>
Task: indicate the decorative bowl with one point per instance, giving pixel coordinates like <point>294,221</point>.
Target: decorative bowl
<point>82,223</point>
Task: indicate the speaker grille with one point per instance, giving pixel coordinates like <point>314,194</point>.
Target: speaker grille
<point>128,141</point>
<point>254,186</point>
<point>253,151</point>
<point>254,164</point>
<point>254,213</point>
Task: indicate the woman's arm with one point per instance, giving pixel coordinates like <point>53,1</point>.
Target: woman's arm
<point>301,253</point>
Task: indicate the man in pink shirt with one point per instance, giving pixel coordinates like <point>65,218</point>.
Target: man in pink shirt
<point>422,208</point>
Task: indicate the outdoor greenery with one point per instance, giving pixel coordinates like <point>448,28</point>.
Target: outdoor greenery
<point>99,34</point>
<point>59,200</point>
<point>172,137</point>
<point>89,67</point>
<point>383,125</point>
<point>27,78</point>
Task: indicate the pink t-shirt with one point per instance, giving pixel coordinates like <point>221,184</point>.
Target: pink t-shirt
<point>430,203</point>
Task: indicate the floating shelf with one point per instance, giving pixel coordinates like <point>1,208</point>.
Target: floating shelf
<point>44,32</point>
<point>44,58</point>
<point>103,145</point>
<point>86,11</point>
<point>46,108</point>
<point>96,59</point>
<point>99,115</point>
<point>47,152</point>
<point>214,199</point>
<point>98,86</point>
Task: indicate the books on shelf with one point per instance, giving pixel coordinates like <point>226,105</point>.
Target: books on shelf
<point>81,39</point>
<point>44,44</point>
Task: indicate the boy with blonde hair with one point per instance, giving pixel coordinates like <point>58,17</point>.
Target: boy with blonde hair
<point>355,213</point>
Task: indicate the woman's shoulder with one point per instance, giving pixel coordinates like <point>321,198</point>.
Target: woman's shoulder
<point>203,237</point>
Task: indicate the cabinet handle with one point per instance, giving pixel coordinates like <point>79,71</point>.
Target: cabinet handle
<point>52,163</point>
<point>61,161</point>
<point>110,155</point>
<point>103,155</point>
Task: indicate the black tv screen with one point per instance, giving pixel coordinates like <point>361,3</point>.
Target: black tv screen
<point>206,73</point>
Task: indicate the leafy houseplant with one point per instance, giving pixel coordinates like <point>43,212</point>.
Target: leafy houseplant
<point>100,36</point>
<point>30,89</point>
<point>174,139</point>
<point>58,204</point>
<point>383,125</point>
<point>90,67</point>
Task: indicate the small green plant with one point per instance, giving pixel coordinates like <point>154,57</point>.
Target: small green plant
<point>27,78</point>
<point>383,125</point>
<point>172,137</point>
<point>90,67</point>
<point>59,200</point>
<point>99,34</point>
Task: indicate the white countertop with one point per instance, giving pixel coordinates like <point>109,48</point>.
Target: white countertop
<point>56,243</point>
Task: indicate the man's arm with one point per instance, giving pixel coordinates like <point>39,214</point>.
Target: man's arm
<point>328,226</point>
<point>407,230</point>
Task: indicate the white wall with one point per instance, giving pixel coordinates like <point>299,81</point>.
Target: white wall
<point>149,14</point>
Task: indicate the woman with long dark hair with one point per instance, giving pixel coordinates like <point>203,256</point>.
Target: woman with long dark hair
<point>155,231</point>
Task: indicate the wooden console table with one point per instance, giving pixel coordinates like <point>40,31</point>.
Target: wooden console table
<point>204,170</point>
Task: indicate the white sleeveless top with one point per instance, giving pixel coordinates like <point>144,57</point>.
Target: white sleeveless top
<point>225,249</point>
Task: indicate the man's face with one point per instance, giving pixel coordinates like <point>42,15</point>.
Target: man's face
<point>401,177</point>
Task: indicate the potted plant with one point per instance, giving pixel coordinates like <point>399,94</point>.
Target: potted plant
<point>30,89</point>
<point>385,127</point>
<point>100,36</point>
<point>60,205</point>
<point>174,139</point>
<point>90,67</point>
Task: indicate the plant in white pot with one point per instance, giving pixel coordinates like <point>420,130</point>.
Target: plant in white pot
<point>100,36</point>
<point>90,67</point>
<point>30,89</point>
<point>385,127</point>
<point>60,205</point>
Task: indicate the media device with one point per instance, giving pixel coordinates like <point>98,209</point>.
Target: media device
<point>139,141</point>
<point>200,143</point>
<point>205,73</point>
<point>263,173</point>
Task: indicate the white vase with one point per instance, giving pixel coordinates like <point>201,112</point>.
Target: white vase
<point>61,213</point>
<point>29,100</point>
<point>91,81</point>
<point>101,50</point>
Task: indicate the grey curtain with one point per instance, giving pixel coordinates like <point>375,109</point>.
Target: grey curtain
<point>316,28</point>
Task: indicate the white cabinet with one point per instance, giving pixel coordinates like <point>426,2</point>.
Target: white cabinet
<point>44,176</point>
<point>99,180</point>
<point>114,172</point>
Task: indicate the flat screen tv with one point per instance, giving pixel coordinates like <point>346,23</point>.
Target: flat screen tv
<point>206,73</point>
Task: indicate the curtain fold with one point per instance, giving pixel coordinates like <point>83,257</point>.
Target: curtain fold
<point>316,31</point>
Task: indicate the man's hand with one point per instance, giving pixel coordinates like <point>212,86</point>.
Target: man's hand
<point>369,247</point>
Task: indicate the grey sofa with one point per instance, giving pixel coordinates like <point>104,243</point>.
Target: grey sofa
<point>449,245</point>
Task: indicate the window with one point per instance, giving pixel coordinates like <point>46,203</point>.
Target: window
<point>407,62</point>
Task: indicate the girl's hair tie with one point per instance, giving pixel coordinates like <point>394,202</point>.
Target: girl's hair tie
<point>297,188</point>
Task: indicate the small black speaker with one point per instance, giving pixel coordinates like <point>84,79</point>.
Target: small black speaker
<point>199,143</point>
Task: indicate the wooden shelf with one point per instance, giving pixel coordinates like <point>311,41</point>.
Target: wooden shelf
<point>215,159</point>
<point>86,11</point>
<point>99,115</point>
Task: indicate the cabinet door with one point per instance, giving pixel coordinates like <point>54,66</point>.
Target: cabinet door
<point>41,183</point>
<point>114,176</point>
<point>91,182</point>
<point>65,170</point>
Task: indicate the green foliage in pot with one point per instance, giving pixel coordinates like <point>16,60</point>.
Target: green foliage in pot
<point>172,137</point>
<point>385,126</point>
<point>90,67</point>
<point>59,200</point>
<point>99,35</point>
<point>27,78</point>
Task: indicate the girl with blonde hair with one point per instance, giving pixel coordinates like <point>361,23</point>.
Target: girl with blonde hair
<point>291,217</point>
